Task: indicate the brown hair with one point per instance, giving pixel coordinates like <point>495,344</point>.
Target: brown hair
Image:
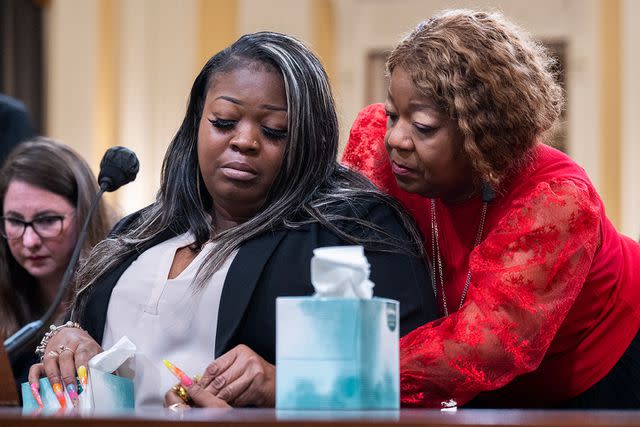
<point>491,78</point>
<point>54,167</point>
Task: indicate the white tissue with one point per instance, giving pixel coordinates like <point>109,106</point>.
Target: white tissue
<point>341,271</point>
<point>107,362</point>
<point>110,360</point>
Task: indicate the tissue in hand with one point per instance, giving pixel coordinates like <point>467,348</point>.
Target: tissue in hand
<point>339,348</point>
<point>104,392</point>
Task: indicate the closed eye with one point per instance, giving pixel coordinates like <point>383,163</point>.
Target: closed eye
<point>223,125</point>
<point>276,134</point>
<point>391,116</point>
<point>424,129</point>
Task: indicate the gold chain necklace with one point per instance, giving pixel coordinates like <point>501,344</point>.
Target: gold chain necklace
<point>435,254</point>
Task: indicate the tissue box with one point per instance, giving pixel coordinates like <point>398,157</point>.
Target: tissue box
<point>105,392</point>
<point>337,353</point>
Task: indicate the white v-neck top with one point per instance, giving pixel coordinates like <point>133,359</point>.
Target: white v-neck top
<point>164,318</point>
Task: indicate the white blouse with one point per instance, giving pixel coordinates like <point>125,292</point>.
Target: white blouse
<point>164,318</point>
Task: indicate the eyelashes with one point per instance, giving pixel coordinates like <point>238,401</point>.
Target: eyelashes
<point>223,124</point>
<point>274,133</point>
<point>424,129</point>
<point>392,118</point>
<point>227,125</point>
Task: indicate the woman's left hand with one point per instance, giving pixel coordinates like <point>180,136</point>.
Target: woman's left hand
<point>241,378</point>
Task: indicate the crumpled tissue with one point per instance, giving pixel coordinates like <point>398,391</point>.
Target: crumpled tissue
<point>341,271</point>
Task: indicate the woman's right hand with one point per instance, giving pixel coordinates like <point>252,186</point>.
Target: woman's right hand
<point>66,355</point>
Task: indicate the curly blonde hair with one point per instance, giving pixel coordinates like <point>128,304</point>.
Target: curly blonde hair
<point>491,78</point>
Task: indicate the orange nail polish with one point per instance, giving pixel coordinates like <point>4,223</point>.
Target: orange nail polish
<point>57,389</point>
<point>184,378</point>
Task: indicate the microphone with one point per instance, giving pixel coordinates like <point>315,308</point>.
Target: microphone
<point>118,167</point>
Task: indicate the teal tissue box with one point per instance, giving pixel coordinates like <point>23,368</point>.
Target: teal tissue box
<point>106,392</point>
<point>337,353</point>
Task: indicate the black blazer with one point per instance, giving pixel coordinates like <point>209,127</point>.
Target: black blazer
<point>278,264</point>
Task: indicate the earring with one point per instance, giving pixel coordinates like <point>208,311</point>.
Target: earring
<point>488,194</point>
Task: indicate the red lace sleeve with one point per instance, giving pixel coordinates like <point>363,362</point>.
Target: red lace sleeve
<point>365,151</point>
<point>526,275</point>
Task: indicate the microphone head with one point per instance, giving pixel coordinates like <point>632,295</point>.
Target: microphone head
<point>118,167</point>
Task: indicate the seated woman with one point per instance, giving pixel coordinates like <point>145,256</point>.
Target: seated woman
<point>539,291</point>
<point>250,186</point>
<point>46,190</point>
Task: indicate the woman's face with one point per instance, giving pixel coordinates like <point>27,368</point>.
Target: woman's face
<point>242,138</point>
<point>44,258</point>
<point>425,146</point>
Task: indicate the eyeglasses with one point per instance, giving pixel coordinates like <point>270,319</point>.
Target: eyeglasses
<point>46,227</point>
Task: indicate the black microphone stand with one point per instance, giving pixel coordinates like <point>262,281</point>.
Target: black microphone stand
<point>16,343</point>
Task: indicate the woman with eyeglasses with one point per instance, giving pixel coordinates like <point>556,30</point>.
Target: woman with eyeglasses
<point>46,190</point>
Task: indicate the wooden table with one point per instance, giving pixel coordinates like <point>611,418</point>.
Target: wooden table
<point>270,417</point>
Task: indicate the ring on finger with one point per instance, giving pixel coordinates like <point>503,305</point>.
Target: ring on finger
<point>52,353</point>
<point>177,407</point>
<point>63,347</point>
<point>182,393</point>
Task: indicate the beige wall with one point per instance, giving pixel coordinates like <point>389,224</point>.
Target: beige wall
<point>156,68</point>
<point>128,82</point>
<point>630,120</point>
<point>71,75</point>
<point>119,71</point>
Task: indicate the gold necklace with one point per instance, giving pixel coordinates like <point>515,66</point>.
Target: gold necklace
<point>435,254</point>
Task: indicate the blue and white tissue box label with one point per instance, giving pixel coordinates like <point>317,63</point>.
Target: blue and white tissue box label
<point>337,353</point>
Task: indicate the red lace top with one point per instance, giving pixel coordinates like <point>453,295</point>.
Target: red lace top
<point>554,299</point>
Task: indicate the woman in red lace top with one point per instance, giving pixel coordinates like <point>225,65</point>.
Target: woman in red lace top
<point>540,295</point>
